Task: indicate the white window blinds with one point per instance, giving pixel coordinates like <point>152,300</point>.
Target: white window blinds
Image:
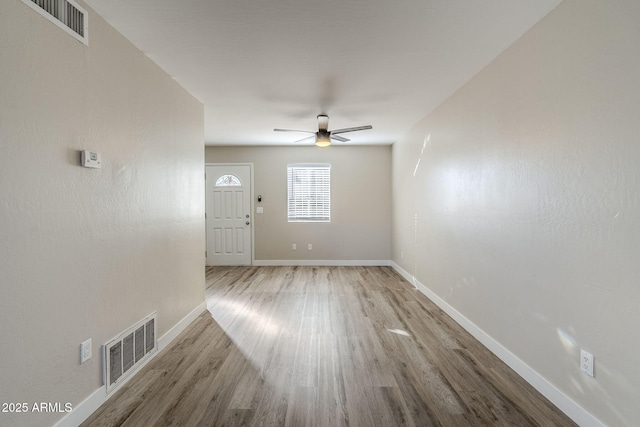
<point>309,192</point>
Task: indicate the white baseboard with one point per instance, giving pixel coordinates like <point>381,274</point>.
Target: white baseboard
<point>574,411</point>
<point>179,327</point>
<point>84,409</point>
<point>323,262</point>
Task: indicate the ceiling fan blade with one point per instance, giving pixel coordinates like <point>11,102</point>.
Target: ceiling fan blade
<point>333,132</point>
<point>306,138</point>
<point>293,130</point>
<point>339,138</point>
<point>323,122</point>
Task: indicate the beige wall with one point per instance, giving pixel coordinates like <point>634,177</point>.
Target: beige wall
<point>360,227</point>
<point>85,253</point>
<point>526,202</point>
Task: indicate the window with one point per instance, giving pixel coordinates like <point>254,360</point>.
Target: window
<point>309,192</point>
<point>228,181</point>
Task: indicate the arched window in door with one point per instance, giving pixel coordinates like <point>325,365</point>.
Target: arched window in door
<point>228,181</point>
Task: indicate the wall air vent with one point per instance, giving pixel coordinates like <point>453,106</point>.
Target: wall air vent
<point>66,14</point>
<point>126,353</point>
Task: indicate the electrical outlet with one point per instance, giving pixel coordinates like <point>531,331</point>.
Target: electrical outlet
<point>586,362</point>
<point>309,247</point>
<point>293,246</point>
<point>85,351</point>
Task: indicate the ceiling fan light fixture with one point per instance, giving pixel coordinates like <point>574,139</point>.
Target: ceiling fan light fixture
<point>323,139</point>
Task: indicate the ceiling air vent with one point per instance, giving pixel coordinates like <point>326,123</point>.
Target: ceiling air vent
<point>66,14</point>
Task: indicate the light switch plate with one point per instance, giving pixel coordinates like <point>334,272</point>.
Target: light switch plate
<point>259,209</point>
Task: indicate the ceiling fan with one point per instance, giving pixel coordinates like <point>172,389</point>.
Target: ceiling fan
<point>324,136</point>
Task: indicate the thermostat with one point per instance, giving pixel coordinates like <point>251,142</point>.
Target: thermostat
<point>90,159</point>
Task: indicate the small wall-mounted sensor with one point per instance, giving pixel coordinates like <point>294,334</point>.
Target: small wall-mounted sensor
<point>259,198</point>
<point>90,159</point>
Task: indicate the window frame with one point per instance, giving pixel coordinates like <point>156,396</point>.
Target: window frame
<point>309,201</point>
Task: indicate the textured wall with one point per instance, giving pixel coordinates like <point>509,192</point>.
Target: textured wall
<point>85,253</point>
<point>518,202</point>
<point>360,227</point>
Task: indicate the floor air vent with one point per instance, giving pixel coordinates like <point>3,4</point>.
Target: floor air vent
<point>124,354</point>
<point>66,14</point>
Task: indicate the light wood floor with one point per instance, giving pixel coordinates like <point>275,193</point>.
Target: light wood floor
<point>324,346</point>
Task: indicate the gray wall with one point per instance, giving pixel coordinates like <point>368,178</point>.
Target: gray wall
<point>360,227</point>
<point>85,253</point>
<point>524,211</point>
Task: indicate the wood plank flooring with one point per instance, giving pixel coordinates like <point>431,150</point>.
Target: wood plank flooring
<point>324,346</point>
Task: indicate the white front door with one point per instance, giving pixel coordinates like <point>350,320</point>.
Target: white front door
<point>228,213</point>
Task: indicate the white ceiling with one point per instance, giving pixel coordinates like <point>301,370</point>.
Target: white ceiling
<point>257,65</point>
